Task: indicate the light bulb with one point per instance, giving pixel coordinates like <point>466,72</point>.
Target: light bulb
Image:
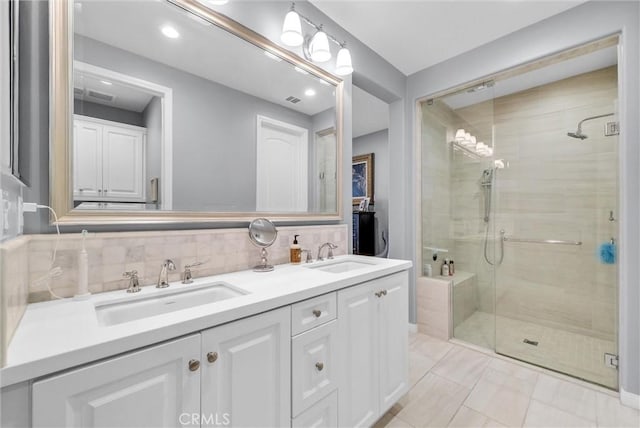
<point>291,29</point>
<point>343,62</point>
<point>319,47</point>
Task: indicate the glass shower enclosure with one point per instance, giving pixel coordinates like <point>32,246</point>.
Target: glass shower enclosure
<point>530,216</point>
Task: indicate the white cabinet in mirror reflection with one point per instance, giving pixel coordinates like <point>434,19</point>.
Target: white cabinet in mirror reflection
<point>109,161</point>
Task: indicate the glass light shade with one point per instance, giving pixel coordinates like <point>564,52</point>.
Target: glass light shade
<point>460,135</point>
<point>473,140</point>
<point>292,29</point>
<point>319,47</point>
<point>343,62</point>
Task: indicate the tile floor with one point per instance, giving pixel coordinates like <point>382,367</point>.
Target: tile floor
<point>575,354</point>
<point>456,386</point>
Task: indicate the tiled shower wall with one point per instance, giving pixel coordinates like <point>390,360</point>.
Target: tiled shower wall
<point>555,187</point>
<point>26,260</point>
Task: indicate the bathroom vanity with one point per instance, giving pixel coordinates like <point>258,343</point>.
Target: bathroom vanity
<point>320,344</point>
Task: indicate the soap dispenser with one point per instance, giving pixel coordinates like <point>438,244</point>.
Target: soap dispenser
<point>295,251</point>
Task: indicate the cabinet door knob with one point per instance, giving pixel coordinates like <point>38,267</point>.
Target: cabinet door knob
<point>319,366</point>
<point>212,357</point>
<point>194,365</point>
<point>317,313</point>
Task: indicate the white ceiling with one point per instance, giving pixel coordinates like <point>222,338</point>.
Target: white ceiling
<point>201,49</point>
<point>124,97</point>
<point>413,35</point>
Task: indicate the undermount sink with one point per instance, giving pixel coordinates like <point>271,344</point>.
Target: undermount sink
<point>117,313</point>
<point>342,266</point>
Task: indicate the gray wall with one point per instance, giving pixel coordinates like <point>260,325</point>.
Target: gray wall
<point>576,26</point>
<point>378,144</point>
<point>113,114</point>
<point>214,130</point>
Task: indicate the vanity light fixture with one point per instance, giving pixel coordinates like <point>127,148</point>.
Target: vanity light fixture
<point>315,48</point>
<point>310,92</point>
<point>170,32</point>
<point>467,144</point>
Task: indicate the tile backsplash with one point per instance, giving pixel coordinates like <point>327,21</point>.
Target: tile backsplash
<point>14,290</point>
<point>112,254</point>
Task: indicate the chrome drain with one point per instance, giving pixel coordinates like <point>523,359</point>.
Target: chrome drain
<point>531,342</point>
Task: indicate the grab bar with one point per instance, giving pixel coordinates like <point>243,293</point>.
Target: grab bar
<point>541,241</point>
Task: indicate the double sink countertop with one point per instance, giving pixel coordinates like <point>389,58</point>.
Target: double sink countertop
<point>61,334</point>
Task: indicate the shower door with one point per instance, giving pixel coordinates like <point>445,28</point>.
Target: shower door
<point>557,203</point>
<point>458,216</point>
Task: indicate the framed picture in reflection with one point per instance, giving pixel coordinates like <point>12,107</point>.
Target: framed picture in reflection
<point>362,186</point>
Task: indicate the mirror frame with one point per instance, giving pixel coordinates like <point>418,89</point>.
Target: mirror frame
<point>61,117</point>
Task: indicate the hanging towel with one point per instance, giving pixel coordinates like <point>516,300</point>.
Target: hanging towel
<point>607,253</point>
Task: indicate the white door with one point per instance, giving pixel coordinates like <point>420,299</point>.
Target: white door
<point>87,160</point>
<point>394,339</point>
<point>282,167</point>
<point>246,377</point>
<point>358,324</point>
<point>148,388</point>
<point>123,164</point>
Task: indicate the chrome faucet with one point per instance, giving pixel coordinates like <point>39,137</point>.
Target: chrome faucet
<point>134,283</point>
<point>331,247</point>
<point>163,278</point>
<point>309,257</point>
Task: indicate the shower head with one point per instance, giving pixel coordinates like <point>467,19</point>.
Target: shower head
<point>577,134</point>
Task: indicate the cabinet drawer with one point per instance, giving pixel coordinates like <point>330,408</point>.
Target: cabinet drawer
<point>313,312</point>
<point>313,366</point>
<point>322,414</point>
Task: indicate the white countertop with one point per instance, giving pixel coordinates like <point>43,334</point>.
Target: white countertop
<point>61,334</point>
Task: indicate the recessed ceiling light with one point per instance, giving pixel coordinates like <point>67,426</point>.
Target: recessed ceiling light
<point>272,56</point>
<point>310,92</point>
<point>106,82</point>
<point>170,32</point>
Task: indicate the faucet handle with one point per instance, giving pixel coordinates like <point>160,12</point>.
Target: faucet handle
<point>187,276</point>
<point>134,283</point>
<point>330,251</point>
<point>169,264</point>
<point>309,258</point>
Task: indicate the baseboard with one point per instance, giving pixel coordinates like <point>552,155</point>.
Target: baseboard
<point>413,328</point>
<point>629,399</point>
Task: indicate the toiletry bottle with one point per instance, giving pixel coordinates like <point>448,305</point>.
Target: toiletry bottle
<point>452,269</point>
<point>445,268</point>
<point>83,272</point>
<point>295,251</point>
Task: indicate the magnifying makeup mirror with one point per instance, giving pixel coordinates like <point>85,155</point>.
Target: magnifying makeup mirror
<point>263,234</point>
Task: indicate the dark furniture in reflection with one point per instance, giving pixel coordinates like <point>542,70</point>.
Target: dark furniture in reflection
<point>364,233</point>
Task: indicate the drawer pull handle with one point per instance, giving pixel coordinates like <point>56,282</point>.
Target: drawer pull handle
<point>317,313</point>
<point>379,294</point>
<point>194,365</point>
<point>320,366</point>
<point>384,292</point>
<point>212,357</point>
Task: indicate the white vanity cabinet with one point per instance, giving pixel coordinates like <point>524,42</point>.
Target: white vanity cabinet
<point>108,161</point>
<point>152,387</point>
<point>246,371</point>
<point>373,348</point>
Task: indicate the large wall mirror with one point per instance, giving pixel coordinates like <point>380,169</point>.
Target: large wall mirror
<point>169,111</point>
